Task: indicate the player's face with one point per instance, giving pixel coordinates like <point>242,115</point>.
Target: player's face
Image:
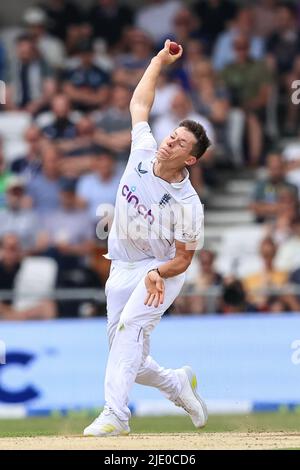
<point>177,148</point>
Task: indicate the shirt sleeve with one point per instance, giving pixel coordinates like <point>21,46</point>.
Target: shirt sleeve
<point>142,138</point>
<point>189,222</point>
<point>143,145</point>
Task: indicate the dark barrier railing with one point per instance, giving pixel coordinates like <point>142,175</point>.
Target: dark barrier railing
<point>99,295</point>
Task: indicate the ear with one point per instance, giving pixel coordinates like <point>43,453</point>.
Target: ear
<point>191,160</point>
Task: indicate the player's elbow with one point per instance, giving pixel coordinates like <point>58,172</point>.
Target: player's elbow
<point>133,105</point>
<point>138,106</point>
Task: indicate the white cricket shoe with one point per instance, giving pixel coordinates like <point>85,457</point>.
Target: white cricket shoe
<point>189,400</point>
<point>107,424</point>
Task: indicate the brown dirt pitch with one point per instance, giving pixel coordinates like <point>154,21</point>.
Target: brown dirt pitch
<point>183,441</point>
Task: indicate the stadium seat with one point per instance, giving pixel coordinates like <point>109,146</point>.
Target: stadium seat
<point>239,250</point>
<point>45,119</point>
<point>13,124</point>
<point>12,128</point>
<point>229,218</point>
<point>35,282</point>
<point>14,149</point>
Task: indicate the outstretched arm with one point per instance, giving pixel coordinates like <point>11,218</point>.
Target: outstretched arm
<point>143,96</point>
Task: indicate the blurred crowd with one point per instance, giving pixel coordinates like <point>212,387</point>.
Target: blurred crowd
<point>70,72</point>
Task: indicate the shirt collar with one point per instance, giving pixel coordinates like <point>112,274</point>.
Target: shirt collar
<point>176,185</point>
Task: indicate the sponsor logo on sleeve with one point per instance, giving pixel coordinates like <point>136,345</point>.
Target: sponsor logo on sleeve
<point>140,171</point>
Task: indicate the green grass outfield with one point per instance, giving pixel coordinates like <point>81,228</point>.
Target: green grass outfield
<point>68,425</point>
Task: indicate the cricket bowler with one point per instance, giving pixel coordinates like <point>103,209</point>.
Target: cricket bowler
<point>157,224</point>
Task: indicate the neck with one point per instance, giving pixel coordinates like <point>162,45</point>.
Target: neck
<point>51,175</point>
<point>171,175</point>
<point>208,272</point>
<point>269,265</point>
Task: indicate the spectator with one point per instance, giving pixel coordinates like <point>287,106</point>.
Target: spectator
<point>138,53</point>
<point>243,23</point>
<point>30,80</point>
<point>67,231</point>
<point>249,83</point>
<point>16,217</point>
<point>68,236</point>
<point>278,305</point>
<point>80,33</point>
<point>44,188</point>
<point>283,55</point>
<point>184,69</point>
<point>265,203</point>
<point>210,99</point>
<point>109,20</point>
<point>283,47</point>
<point>73,137</point>
<point>30,164</point>
<point>265,18</point>
<point>207,278</point>
<point>157,18</point>
<point>280,229</point>
<point>4,176</point>
<point>214,16</point>
<point>185,27</point>
<point>78,152</point>
<point>266,279</point>
<point>122,76</point>
<point>164,94</point>
<point>180,109</point>
<point>61,14</point>
<point>10,263</point>
<point>100,187</point>
<point>114,124</point>
<point>87,85</point>
<point>62,126</point>
<point>50,48</point>
<point>234,298</point>
<point>288,255</point>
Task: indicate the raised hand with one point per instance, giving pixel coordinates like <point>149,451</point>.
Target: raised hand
<point>166,57</point>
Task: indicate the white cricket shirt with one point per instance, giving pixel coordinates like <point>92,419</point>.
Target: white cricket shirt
<point>151,213</point>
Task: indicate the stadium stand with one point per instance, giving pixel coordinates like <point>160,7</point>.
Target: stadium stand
<point>66,118</point>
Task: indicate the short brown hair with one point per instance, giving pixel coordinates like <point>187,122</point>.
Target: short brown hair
<point>199,132</point>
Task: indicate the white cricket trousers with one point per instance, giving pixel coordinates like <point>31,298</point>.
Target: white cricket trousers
<point>129,324</point>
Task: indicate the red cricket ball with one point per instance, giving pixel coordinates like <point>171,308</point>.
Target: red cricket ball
<point>174,48</point>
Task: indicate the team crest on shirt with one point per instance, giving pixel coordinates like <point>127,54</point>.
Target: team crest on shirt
<point>140,171</point>
<point>164,200</point>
